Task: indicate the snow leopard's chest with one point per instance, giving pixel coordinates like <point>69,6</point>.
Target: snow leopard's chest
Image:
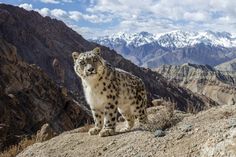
<point>96,96</point>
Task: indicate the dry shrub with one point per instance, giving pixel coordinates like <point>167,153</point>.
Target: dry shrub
<point>85,128</point>
<point>161,117</point>
<point>16,149</point>
<point>192,109</point>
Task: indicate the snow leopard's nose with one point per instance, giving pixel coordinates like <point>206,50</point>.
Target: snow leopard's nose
<point>91,69</point>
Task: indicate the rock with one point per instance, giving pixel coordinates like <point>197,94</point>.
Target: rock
<point>112,143</point>
<point>59,71</point>
<point>211,140</point>
<point>218,146</point>
<point>186,127</point>
<point>157,102</point>
<point>64,91</point>
<point>104,149</point>
<point>159,133</point>
<point>3,137</point>
<point>232,123</point>
<point>180,136</point>
<point>45,133</point>
<point>11,96</point>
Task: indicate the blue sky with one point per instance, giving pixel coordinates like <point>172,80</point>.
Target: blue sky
<point>92,18</point>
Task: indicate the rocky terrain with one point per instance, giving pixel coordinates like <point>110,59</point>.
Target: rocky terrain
<point>176,47</point>
<point>209,133</point>
<point>203,79</point>
<point>38,80</point>
<point>49,43</point>
<point>29,99</point>
<point>41,95</point>
<point>229,66</point>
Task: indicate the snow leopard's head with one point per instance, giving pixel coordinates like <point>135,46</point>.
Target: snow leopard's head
<point>89,64</point>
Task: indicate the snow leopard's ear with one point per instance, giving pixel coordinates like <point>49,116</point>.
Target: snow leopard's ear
<point>97,50</point>
<point>75,56</point>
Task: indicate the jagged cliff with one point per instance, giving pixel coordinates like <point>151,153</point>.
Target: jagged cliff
<point>29,98</point>
<point>202,79</point>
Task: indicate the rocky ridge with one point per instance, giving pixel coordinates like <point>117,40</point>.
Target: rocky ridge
<point>202,79</point>
<point>29,99</point>
<point>229,66</point>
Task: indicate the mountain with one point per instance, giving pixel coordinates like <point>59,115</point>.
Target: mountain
<point>174,39</point>
<point>180,39</point>
<point>229,66</point>
<point>176,47</point>
<point>42,40</point>
<point>202,79</point>
<point>29,99</point>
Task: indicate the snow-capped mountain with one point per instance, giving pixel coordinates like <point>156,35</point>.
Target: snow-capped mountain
<point>176,47</point>
<point>180,39</point>
<point>174,39</point>
<point>136,39</point>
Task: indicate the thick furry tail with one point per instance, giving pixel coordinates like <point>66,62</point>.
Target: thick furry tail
<point>143,118</point>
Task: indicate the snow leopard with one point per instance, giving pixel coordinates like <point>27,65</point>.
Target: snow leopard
<point>109,90</point>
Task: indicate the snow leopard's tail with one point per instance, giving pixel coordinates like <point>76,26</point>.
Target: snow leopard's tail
<point>143,119</point>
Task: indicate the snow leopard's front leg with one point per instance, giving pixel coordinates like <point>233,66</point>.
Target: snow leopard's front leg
<point>98,116</point>
<point>109,120</point>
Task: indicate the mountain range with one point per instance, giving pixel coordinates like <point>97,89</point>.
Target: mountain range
<point>176,47</point>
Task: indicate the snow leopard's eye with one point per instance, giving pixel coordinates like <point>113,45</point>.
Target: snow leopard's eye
<point>95,59</point>
<point>82,62</point>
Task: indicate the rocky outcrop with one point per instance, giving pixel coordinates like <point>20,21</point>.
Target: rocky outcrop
<point>203,79</point>
<point>29,99</point>
<point>229,66</point>
<point>59,71</point>
<point>209,133</point>
<point>41,40</point>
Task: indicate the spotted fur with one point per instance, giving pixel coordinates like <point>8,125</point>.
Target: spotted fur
<point>108,90</point>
